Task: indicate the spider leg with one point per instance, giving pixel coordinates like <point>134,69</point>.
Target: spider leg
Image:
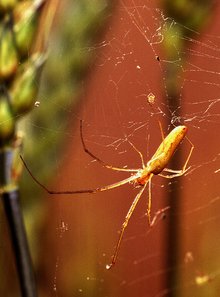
<point>87,151</point>
<point>177,173</point>
<point>172,175</point>
<point>139,153</point>
<point>161,130</point>
<point>124,225</point>
<point>172,170</point>
<point>69,192</point>
<point>181,171</point>
<point>190,154</point>
<point>160,211</point>
<point>149,202</point>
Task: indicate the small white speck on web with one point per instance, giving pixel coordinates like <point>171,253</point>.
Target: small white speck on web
<point>138,67</point>
<point>107,266</point>
<point>37,103</point>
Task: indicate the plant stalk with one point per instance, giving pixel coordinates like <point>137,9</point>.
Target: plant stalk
<point>11,201</point>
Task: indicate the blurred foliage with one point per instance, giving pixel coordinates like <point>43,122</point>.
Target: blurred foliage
<point>17,68</point>
<point>76,27</point>
<point>193,16</point>
<point>187,19</point>
<point>19,76</point>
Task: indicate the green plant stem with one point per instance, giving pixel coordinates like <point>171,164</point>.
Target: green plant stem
<point>19,243</point>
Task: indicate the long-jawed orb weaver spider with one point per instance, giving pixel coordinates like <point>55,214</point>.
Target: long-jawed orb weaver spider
<point>139,177</point>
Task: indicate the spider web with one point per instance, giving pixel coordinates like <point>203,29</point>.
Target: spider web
<point>126,96</point>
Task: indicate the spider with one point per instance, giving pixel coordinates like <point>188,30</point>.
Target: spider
<point>139,177</point>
